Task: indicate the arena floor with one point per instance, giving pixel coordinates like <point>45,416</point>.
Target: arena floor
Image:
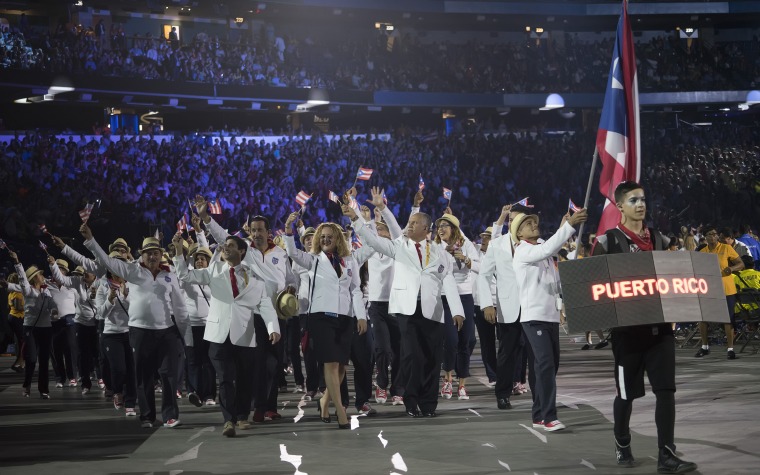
<point>718,426</point>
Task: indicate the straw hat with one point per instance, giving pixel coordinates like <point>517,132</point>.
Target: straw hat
<point>120,242</point>
<point>32,272</point>
<point>308,232</point>
<point>192,249</point>
<point>287,305</point>
<point>487,232</point>
<point>450,218</point>
<point>204,251</point>
<point>78,271</point>
<point>62,264</point>
<point>514,226</point>
<point>150,243</point>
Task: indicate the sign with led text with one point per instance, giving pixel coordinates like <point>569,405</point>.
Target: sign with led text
<point>642,288</point>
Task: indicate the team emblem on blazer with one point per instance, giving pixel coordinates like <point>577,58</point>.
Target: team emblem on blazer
<point>348,271</point>
<point>167,278</point>
<point>275,260</point>
<point>539,333</point>
<point>440,269</point>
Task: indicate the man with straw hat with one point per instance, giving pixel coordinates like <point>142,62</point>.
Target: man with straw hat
<point>540,303</point>
<point>158,323</point>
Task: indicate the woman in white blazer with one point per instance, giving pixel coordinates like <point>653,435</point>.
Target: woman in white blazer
<point>336,286</point>
<point>458,345</point>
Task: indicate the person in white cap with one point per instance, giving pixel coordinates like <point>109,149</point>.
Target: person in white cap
<point>38,331</point>
<point>540,304</point>
<point>158,324</point>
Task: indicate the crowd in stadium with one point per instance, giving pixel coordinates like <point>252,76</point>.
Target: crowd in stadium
<point>566,64</point>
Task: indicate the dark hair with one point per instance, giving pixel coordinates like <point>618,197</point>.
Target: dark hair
<point>427,218</point>
<point>745,229</point>
<point>709,227</point>
<point>626,187</point>
<point>749,263</point>
<point>261,219</point>
<point>239,242</point>
<point>726,231</point>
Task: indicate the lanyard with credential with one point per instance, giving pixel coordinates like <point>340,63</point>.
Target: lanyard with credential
<point>427,254</point>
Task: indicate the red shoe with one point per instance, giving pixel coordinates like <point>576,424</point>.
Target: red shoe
<point>381,395</point>
<point>553,425</point>
<point>258,416</point>
<point>271,416</point>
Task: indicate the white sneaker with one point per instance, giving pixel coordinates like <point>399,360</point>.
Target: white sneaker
<point>462,394</point>
<point>85,391</point>
<point>398,401</point>
<point>72,383</point>
<point>101,384</point>
<point>130,412</point>
<point>59,385</point>
<point>210,402</point>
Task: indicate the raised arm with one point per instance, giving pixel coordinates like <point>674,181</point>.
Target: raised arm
<point>304,259</point>
<point>498,225</point>
<point>217,232</point>
<point>529,254</point>
<point>59,277</point>
<point>384,246</point>
<point>87,264</point>
<point>195,276</point>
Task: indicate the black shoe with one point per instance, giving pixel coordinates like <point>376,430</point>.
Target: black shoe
<point>195,400</point>
<point>586,347</point>
<point>667,462</point>
<point>702,352</point>
<point>601,345</point>
<point>413,413</point>
<point>344,426</point>
<point>429,414</point>
<point>731,355</point>
<point>326,420</point>
<point>624,455</point>
<point>503,403</point>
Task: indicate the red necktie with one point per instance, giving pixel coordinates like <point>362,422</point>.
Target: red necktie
<point>233,281</point>
<point>419,252</point>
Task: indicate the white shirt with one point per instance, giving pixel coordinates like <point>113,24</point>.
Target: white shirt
<point>37,303</point>
<point>537,278</point>
<point>116,314</point>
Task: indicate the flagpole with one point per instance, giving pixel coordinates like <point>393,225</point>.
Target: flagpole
<point>588,197</point>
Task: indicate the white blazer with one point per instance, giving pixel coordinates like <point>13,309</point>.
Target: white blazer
<point>331,294</point>
<point>228,315</point>
<point>413,282</point>
<point>498,262</point>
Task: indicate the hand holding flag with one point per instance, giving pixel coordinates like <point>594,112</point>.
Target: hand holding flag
<point>447,194</point>
<point>573,207</point>
<point>332,196</point>
<point>421,184</point>
<point>302,198</point>
<point>363,174</point>
<point>523,202</point>
<point>215,207</point>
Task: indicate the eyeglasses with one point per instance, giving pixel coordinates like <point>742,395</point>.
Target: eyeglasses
<point>444,225</point>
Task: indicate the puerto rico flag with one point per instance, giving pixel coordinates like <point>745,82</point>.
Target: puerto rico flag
<point>302,198</point>
<point>421,185</point>
<point>182,223</point>
<point>2,244</point>
<point>447,194</point>
<point>355,242</point>
<point>43,246</point>
<point>215,207</point>
<point>364,174</point>
<point>85,213</point>
<point>617,141</point>
<point>524,202</point>
<point>573,207</point>
<point>333,197</point>
<point>43,228</point>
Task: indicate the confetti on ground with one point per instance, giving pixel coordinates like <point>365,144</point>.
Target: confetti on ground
<point>285,403</point>
<point>489,445</point>
<point>475,412</point>
<point>383,441</point>
<point>398,462</point>
<point>540,436</point>
<point>588,464</point>
<point>295,460</point>
<point>569,405</point>
<point>355,421</point>
<point>201,432</point>
<point>175,472</point>
<point>189,455</point>
<point>505,465</point>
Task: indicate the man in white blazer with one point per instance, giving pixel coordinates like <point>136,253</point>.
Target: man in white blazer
<point>422,272</point>
<point>497,263</point>
<point>236,295</point>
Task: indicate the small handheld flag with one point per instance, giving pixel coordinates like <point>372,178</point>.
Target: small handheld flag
<point>355,242</point>
<point>43,228</point>
<point>3,245</point>
<point>182,223</point>
<point>43,246</point>
<point>240,234</point>
<point>85,213</point>
<point>385,199</point>
<point>447,193</point>
<point>421,185</point>
<point>214,207</point>
<point>157,234</point>
<point>524,202</point>
<point>334,197</point>
<point>302,198</point>
<point>573,207</point>
<point>364,174</point>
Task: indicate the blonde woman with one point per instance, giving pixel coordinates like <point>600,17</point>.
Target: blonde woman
<point>335,287</point>
<point>459,345</point>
